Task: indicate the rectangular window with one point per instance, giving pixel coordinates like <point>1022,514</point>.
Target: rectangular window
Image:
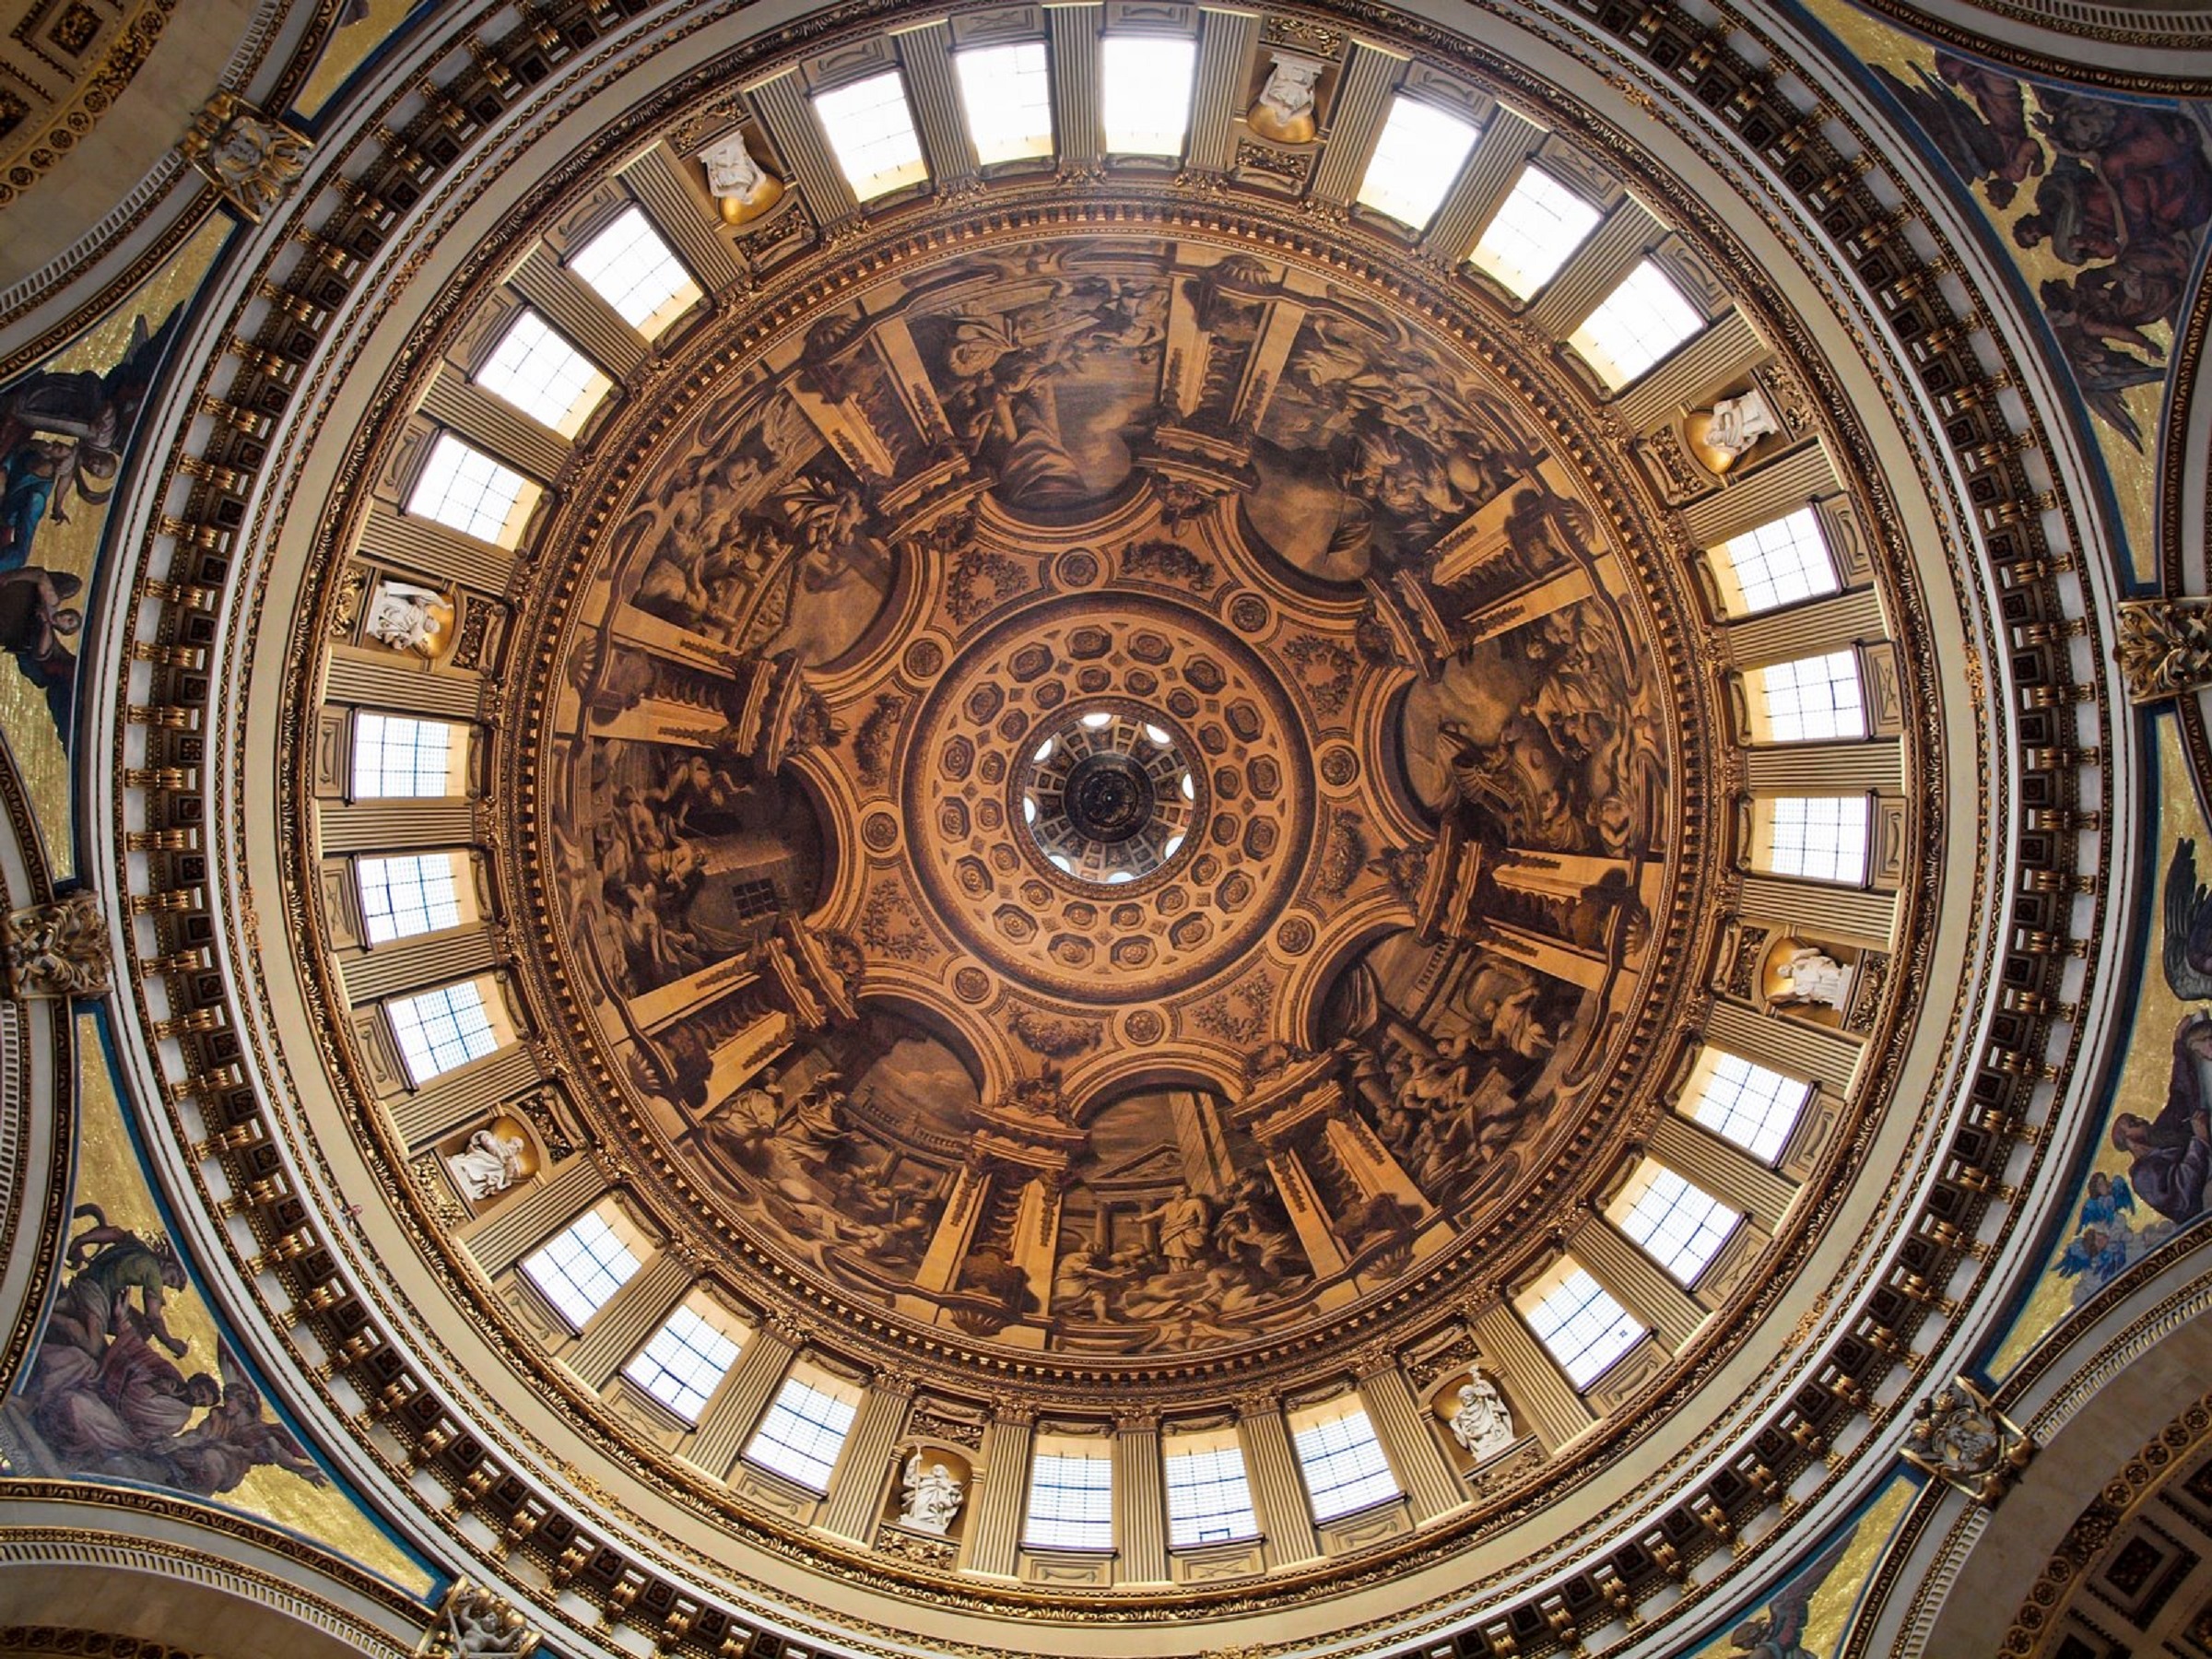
<point>1776,564</point>
<point>1071,1502</point>
<point>872,134</point>
<point>1534,231</point>
<point>1638,324</point>
<point>1746,1103</point>
<point>544,376</point>
<point>1574,1317</point>
<point>1808,700</point>
<point>803,1432</point>
<point>1146,101</point>
<point>630,266</point>
<point>685,1362</point>
<point>1680,1226</point>
<point>462,487</point>
<point>394,754</point>
<point>581,1266</point>
<point>1008,93</point>
<point>1343,1461</point>
<point>405,896</point>
<point>1416,160</point>
<point>442,1028</point>
<point>1209,1500</point>
<point>1822,838</point>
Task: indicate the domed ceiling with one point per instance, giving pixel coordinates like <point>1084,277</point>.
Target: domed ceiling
<point>998,840</point>
<point>1107,807</point>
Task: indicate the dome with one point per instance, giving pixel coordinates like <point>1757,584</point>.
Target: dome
<point>1054,830</point>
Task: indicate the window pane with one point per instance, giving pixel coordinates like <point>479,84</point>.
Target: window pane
<point>686,1359</point>
<point>631,268</point>
<point>1008,94</point>
<point>1820,837</point>
<point>1680,1226</point>
<point>1585,1328</point>
<point>1344,1464</point>
<point>544,376</point>
<point>1750,1105</point>
<point>1418,155</point>
<point>1534,231</point>
<point>463,487</point>
<point>873,134</point>
<point>581,1266</point>
<point>802,1434</point>
<point>1147,93</point>
<point>440,1030</point>
<point>1810,698</point>
<point>1641,322</point>
<point>1071,1502</point>
<point>401,896</point>
<point>1208,1499</point>
<point>1778,563</point>
<point>395,755</point>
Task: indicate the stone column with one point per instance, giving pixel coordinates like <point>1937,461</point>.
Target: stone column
<point>527,1218</point>
<point>1278,1493</point>
<point>630,1317</point>
<point>789,118</point>
<point>1225,43</point>
<point>1809,1052</point>
<point>1722,1168</point>
<point>1432,1485</point>
<point>403,683</point>
<point>1538,1386</point>
<point>1140,1517</point>
<point>1072,33</point>
<point>404,824</point>
<point>1637,1282</point>
<point>856,1498</point>
<point>993,1542</point>
<point>736,1406</point>
<point>1355,121</point>
<point>454,1098</point>
<point>1595,269</point>
<point>925,53</point>
<point>403,965</point>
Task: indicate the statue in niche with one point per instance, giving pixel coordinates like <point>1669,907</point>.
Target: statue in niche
<point>1283,111</point>
<point>491,1163</point>
<point>1482,1423</point>
<point>407,618</point>
<point>1731,430</point>
<point>1809,977</point>
<point>931,1496</point>
<point>742,190</point>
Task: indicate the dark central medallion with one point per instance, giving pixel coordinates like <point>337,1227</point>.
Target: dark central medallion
<point>1108,796</point>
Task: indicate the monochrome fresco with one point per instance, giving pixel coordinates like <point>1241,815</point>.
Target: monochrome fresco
<point>834,609</point>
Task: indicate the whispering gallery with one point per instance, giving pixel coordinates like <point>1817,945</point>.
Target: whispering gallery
<point>1077,827</point>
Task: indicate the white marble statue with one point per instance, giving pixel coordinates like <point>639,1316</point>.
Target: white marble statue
<point>932,1497</point>
<point>406,617</point>
<point>1482,1424</point>
<point>740,187</point>
<point>1814,976</point>
<point>488,1165</point>
<point>1285,108</point>
<point>1740,422</point>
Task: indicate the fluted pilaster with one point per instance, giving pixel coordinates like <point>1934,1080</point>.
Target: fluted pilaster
<point>1140,1520</point>
<point>995,1511</point>
<point>1431,1485</point>
<point>856,1485</point>
<point>1722,1168</point>
<point>1356,121</point>
<point>1278,1493</point>
<point>630,1317</point>
<point>529,1217</point>
<point>456,1098</point>
<point>736,1406</point>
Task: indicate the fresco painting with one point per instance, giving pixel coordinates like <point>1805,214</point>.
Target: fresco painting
<point>1808,1614</point>
<point>732,678</point>
<point>133,1378</point>
<point>65,431</point>
<point>2145,1183</point>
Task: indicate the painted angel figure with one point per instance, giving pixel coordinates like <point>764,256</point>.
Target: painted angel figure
<point>932,1496</point>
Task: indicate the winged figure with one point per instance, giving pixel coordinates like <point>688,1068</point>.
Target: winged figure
<point>1778,1633</point>
<point>2188,926</point>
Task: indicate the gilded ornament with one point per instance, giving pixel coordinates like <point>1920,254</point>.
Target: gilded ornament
<point>252,157</point>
